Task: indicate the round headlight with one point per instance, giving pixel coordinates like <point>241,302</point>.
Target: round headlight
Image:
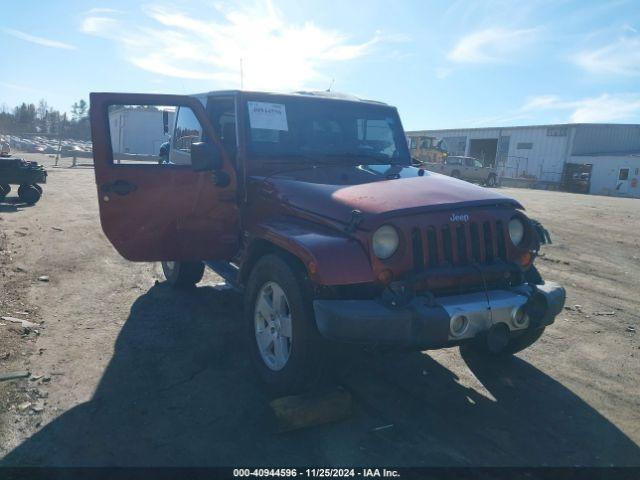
<point>385,241</point>
<point>516,230</point>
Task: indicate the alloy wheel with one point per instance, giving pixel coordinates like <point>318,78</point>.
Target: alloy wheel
<point>273,326</point>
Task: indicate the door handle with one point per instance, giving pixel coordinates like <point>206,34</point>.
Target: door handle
<point>121,187</point>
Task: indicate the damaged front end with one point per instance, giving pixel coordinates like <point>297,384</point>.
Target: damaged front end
<point>463,280</point>
<point>424,321</point>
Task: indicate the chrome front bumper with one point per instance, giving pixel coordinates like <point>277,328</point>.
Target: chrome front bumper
<point>477,312</point>
<point>433,323</point>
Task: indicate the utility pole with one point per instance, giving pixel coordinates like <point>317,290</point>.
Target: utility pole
<point>330,85</point>
<point>59,143</point>
<point>241,75</point>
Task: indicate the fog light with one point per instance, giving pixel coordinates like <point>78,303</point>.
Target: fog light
<point>458,325</point>
<point>520,317</point>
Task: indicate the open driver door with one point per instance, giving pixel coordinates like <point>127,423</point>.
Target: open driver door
<point>153,208</point>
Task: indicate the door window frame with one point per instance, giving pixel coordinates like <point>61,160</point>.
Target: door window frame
<point>179,101</point>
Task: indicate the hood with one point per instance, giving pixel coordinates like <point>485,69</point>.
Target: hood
<point>377,190</point>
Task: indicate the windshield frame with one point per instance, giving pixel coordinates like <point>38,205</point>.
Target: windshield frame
<point>258,159</point>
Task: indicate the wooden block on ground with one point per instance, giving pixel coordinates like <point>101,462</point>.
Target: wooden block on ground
<point>311,409</point>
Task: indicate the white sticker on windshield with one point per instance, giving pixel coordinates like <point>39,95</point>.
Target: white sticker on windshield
<point>269,116</point>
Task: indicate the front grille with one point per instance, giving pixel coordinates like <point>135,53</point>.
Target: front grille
<point>418,250</point>
<point>461,244</point>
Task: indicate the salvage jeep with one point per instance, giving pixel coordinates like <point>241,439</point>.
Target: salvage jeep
<point>308,204</point>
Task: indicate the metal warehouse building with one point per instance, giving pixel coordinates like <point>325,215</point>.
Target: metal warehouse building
<point>603,158</point>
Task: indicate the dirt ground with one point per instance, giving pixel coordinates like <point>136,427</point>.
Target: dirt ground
<point>125,371</point>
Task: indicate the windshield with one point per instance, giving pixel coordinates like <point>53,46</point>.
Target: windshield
<point>324,130</point>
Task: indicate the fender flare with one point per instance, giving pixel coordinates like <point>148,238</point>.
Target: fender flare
<point>329,257</point>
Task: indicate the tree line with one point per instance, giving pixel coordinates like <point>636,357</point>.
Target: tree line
<point>45,120</point>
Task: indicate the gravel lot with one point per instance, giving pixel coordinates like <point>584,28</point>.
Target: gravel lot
<point>133,373</point>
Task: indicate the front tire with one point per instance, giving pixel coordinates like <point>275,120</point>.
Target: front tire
<point>4,190</point>
<point>183,274</point>
<point>284,342</point>
<point>492,181</point>
<point>455,174</point>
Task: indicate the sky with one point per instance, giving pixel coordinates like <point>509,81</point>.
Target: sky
<point>443,64</point>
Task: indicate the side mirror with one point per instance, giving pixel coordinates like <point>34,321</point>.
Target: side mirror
<point>205,157</point>
<point>165,121</point>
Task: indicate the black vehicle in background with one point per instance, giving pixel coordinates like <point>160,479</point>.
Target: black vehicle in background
<point>27,175</point>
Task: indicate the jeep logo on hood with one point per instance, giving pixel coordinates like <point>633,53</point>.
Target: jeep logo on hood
<point>459,217</point>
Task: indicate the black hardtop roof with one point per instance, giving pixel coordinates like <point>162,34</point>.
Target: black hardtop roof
<point>310,94</point>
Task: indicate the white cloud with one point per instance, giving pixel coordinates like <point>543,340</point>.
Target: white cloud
<point>542,102</point>
<point>491,45</point>
<point>607,108</point>
<point>621,57</point>
<point>276,54</point>
<point>604,108</point>
<point>45,42</point>
<point>101,11</point>
<point>491,121</point>
<point>97,25</point>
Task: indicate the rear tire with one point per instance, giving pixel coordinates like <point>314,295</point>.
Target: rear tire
<point>28,194</point>
<point>4,190</point>
<point>280,323</point>
<point>183,274</point>
<point>455,174</point>
<point>37,187</point>
<point>492,181</point>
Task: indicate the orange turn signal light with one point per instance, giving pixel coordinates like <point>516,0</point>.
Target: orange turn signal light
<point>313,268</point>
<point>385,276</point>
<point>526,259</point>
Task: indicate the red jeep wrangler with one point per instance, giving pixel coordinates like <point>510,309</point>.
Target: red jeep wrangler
<point>308,203</point>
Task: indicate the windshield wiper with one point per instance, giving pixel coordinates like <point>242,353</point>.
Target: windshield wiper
<point>332,159</point>
<point>289,158</point>
<point>363,159</point>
